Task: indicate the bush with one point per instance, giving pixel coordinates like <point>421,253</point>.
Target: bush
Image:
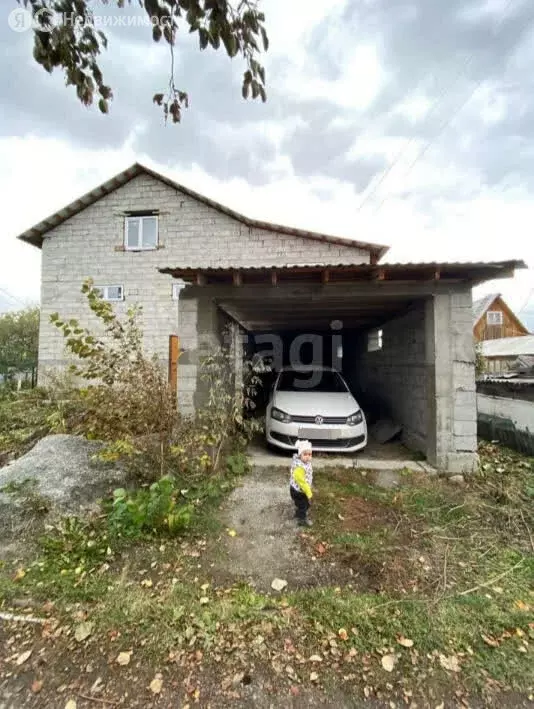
<point>129,402</point>
<point>161,508</point>
<point>128,397</point>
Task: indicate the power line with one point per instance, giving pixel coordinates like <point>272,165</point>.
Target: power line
<point>12,297</point>
<point>527,301</point>
<point>443,127</point>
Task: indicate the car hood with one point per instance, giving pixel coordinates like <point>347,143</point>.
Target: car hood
<point>311,403</point>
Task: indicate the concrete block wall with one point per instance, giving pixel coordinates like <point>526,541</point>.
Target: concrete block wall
<point>90,244</point>
<point>395,375</point>
<point>451,365</point>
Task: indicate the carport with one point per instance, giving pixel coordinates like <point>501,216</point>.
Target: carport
<point>400,333</point>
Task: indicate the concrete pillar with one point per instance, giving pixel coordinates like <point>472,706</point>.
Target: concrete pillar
<point>450,385</point>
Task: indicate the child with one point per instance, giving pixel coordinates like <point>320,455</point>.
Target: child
<point>301,480</point>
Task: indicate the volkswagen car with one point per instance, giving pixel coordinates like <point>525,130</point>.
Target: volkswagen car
<point>314,403</point>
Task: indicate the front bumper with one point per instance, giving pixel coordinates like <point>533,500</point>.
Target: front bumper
<point>326,437</point>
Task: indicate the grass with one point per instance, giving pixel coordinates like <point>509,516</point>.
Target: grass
<point>466,586</point>
<point>25,416</point>
<point>452,571</point>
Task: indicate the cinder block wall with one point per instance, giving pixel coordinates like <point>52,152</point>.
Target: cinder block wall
<point>451,380</point>
<point>191,233</point>
<point>392,380</point>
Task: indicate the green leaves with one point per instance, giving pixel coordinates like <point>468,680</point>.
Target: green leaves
<point>19,334</point>
<point>76,52</point>
<point>160,509</point>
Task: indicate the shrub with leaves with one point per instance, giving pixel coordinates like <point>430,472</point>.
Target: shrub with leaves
<point>159,509</point>
<point>223,420</point>
<point>130,404</point>
<point>128,397</point>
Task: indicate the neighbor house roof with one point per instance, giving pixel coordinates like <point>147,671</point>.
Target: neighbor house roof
<point>35,234</point>
<point>508,346</point>
<point>481,305</point>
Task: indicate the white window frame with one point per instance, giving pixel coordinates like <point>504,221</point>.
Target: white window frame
<point>140,217</point>
<point>105,290</point>
<point>375,340</point>
<point>494,320</point>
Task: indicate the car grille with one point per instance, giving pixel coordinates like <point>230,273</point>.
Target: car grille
<point>321,443</point>
<point>326,419</point>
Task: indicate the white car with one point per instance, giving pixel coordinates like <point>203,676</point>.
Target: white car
<point>314,403</point>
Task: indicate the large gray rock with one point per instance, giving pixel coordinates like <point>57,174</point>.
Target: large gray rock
<point>63,471</point>
<point>57,476</point>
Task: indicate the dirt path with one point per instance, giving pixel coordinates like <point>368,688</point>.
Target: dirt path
<point>268,543</point>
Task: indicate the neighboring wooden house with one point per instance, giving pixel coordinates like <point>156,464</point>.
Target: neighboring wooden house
<point>493,319</point>
<point>508,354</point>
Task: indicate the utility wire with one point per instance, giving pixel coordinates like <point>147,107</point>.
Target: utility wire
<point>443,127</point>
<point>12,297</point>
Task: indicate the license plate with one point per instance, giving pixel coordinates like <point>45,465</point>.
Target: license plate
<point>325,433</point>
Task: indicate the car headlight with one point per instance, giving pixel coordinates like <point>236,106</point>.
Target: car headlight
<point>280,416</point>
<point>355,419</point>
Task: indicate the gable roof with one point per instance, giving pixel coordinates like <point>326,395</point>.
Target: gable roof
<point>481,305</point>
<point>35,234</point>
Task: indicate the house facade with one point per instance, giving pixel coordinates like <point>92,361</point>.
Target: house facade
<point>401,333</point>
<point>493,319</point>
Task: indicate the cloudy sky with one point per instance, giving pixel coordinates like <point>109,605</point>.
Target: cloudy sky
<point>405,122</point>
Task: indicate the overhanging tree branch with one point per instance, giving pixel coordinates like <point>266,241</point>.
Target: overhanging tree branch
<point>66,37</point>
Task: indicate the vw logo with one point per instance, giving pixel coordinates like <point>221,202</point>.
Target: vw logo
<point>319,420</point>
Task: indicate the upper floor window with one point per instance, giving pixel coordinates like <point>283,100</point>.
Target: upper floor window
<point>494,317</point>
<point>141,232</point>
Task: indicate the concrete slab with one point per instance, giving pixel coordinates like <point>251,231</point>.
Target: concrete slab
<point>262,458</point>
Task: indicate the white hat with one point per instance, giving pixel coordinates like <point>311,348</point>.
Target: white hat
<point>303,446</point>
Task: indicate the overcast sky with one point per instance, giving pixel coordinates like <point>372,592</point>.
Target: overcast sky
<point>405,122</point>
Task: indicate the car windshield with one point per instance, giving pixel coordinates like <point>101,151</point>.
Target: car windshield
<point>316,380</point>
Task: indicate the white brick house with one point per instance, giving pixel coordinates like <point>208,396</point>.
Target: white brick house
<point>139,231</point>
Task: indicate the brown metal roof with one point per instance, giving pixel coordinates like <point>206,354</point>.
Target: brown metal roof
<point>472,272</point>
<point>35,234</point>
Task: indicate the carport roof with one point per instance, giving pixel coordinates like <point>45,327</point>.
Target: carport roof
<point>473,273</point>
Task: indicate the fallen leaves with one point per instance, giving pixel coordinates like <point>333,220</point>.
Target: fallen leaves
<point>405,642</point>
<point>19,574</point>
<point>278,584</point>
<point>83,631</point>
<point>316,658</point>
<point>522,606</point>
<point>37,685</point>
<point>490,641</point>
<point>123,658</point>
<point>157,684</point>
<point>449,663</point>
<point>23,657</point>
<point>389,662</point>
<point>204,600</point>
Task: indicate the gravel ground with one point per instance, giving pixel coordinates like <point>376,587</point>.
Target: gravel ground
<point>267,544</point>
<point>65,478</point>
